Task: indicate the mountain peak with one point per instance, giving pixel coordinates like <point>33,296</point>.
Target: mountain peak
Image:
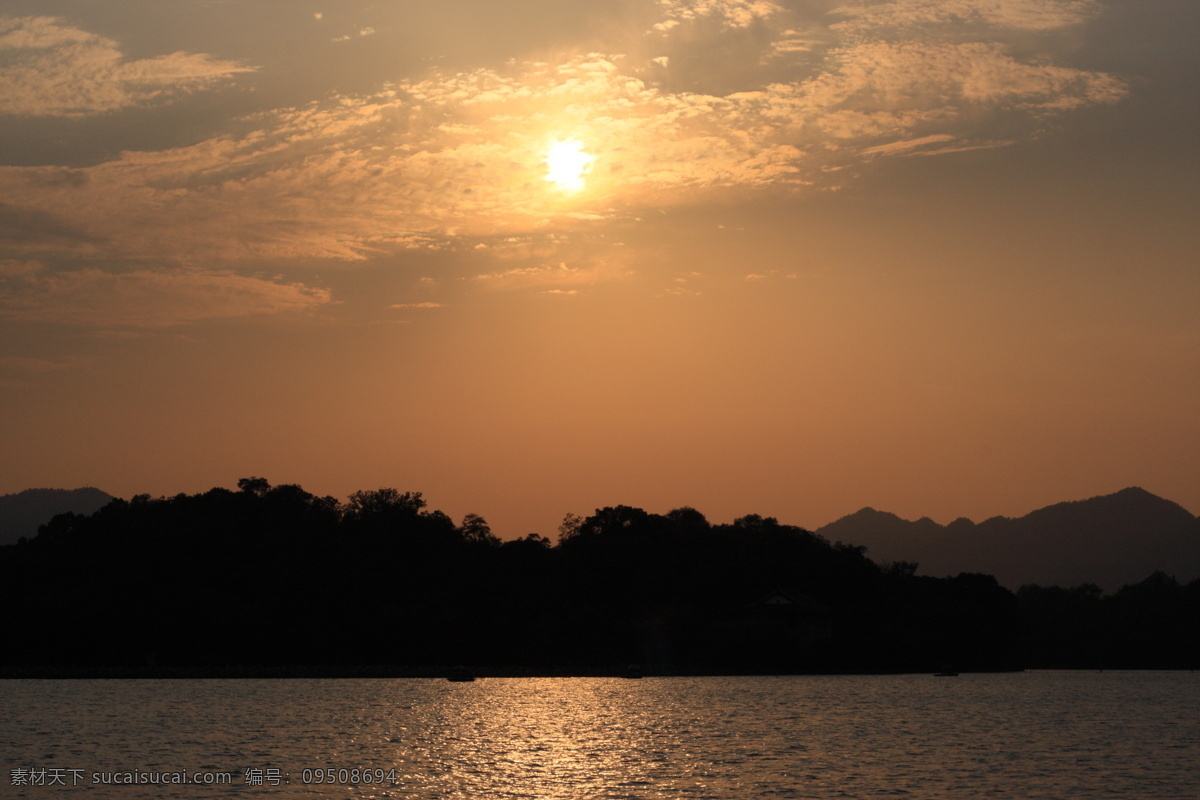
<point>22,513</point>
<point>1110,540</point>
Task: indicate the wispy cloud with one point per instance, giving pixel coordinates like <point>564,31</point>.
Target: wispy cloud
<point>18,372</point>
<point>900,17</point>
<point>345,37</point>
<point>32,366</point>
<point>728,13</point>
<point>590,270</point>
<point>937,144</point>
<point>49,68</point>
<point>10,268</point>
<point>146,298</point>
<point>771,275</point>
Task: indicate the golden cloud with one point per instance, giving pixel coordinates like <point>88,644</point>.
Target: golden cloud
<point>53,69</point>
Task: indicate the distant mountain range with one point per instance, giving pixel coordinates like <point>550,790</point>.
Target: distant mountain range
<point>1111,541</point>
<point>23,512</point>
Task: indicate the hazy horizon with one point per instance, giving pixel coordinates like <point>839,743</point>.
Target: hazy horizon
<point>529,259</point>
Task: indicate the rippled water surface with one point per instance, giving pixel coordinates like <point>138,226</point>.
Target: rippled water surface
<point>1025,735</point>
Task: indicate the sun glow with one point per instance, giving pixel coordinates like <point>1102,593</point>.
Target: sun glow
<point>566,164</point>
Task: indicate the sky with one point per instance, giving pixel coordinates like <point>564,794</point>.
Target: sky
<point>531,258</point>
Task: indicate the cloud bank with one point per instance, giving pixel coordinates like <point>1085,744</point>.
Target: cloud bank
<point>461,153</point>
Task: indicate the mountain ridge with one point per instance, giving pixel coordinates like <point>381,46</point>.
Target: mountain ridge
<point>23,512</point>
<point>1110,540</point>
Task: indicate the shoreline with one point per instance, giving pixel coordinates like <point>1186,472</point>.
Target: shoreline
<point>345,672</point>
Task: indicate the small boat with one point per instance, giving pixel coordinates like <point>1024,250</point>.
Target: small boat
<point>460,674</point>
<point>632,671</point>
<point>947,671</point>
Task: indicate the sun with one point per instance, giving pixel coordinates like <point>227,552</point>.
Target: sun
<point>566,164</point>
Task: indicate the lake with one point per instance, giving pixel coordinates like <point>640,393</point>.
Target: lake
<point>1019,735</point>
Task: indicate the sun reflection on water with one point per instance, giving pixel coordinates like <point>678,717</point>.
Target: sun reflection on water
<point>557,738</point>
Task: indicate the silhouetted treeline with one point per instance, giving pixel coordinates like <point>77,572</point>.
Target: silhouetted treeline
<point>275,576</point>
<point>1149,625</point>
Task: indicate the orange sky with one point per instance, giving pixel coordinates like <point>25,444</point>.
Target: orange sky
<point>934,257</point>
